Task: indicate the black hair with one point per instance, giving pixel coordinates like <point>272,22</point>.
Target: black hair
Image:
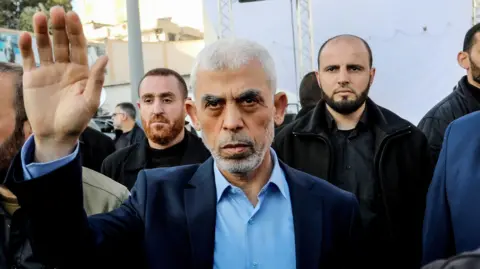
<point>370,56</point>
<point>164,72</point>
<point>309,92</point>
<point>128,108</point>
<point>470,39</point>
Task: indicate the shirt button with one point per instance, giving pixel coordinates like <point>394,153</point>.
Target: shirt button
<point>250,221</point>
<point>255,264</point>
<point>348,167</point>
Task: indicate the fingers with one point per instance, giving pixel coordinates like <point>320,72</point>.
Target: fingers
<point>60,38</point>
<point>25,45</point>
<point>78,42</point>
<point>40,28</point>
<point>95,81</point>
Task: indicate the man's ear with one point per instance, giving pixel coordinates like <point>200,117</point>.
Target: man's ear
<point>191,110</point>
<point>372,75</point>
<point>27,129</point>
<point>463,61</point>
<point>281,102</point>
<point>317,75</point>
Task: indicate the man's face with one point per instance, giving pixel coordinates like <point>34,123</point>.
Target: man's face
<point>11,136</point>
<point>162,108</point>
<point>474,60</point>
<point>118,117</point>
<point>344,74</point>
<point>235,110</point>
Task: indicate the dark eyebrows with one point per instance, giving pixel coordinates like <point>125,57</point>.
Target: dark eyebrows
<point>209,98</point>
<point>246,95</point>
<point>359,66</point>
<point>336,66</point>
<point>249,94</point>
<point>331,66</point>
<point>162,95</point>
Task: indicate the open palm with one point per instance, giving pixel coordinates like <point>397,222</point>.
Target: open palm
<point>62,94</point>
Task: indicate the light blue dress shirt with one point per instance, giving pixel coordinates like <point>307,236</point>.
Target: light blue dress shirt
<point>245,236</point>
<point>34,170</point>
<point>254,237</point>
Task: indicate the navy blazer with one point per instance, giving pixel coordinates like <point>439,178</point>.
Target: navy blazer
<point>452,218</point>
<point>169,220</point>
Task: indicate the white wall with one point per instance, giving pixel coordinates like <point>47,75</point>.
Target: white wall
<point>116,94</point>
<point>415,68</point>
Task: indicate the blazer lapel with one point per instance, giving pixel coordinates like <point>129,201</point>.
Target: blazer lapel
<point>307,219</point>
<point>200,209</point>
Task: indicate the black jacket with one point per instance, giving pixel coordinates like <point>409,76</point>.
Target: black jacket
<point>124,165</point>
<point>136,135</point>
<point>304,110</point>
<point>95,147</point>
<point>15,250</point>
<point>403,168</point>
<point>457,104</point>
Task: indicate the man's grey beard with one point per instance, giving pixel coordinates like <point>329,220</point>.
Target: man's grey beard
<point>242,165</point>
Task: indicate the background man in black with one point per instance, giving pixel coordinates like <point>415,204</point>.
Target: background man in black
<point>162,109</point>
<point>365,149</point>
<point>95,147</point>
<point>464,99</point>
<point>126,128</point>
<point>309,93</point>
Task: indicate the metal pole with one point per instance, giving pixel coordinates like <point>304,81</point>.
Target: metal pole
<point>135,52</point>
<point>292,17</point>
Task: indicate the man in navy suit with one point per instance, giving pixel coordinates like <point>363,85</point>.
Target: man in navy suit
<point>452,221</point>
<point>242,208</point>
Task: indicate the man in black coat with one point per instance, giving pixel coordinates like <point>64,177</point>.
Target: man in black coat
<point>368,150</point>
<point>95,147</point>
<point>310,94</point>
<point>163,93</point>
<point>464,99</point>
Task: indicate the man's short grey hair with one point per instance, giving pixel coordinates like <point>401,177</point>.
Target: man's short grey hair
<point>231,54</point>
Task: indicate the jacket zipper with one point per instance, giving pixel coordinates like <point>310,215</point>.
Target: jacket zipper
<point>378,161</point>
<point>329,146</point>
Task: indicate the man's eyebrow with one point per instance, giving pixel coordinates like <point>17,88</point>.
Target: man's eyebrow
<point>161,95</point>
<point>212,98</point>
<point>248,94</point>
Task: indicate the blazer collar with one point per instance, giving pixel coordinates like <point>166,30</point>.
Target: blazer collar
<point>200,208</point>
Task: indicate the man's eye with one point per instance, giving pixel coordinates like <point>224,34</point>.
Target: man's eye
<point>212,104</point>
<point>167,101</point>
<point>147,100</point>
<point>250,101</point>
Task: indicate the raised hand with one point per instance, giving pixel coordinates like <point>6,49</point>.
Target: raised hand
<point>62,95</point>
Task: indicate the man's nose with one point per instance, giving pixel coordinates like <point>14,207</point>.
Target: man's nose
<point>233,119</point>
<point>343,78</point>
<point>158,107</point>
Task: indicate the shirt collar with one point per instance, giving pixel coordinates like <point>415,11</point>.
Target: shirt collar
<point>277,178</point>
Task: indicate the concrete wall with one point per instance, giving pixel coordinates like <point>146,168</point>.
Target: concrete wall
<point>178,55</point>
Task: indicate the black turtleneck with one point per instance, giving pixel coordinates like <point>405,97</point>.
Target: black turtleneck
<point>474,91</point>
<point>168,157</point>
